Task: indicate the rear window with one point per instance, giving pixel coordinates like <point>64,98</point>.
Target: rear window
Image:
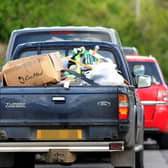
<point>145,68</point>
<point>63,51</point>
<point>62,35</point>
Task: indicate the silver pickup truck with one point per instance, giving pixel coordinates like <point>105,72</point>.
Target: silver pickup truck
<point>60,33</point>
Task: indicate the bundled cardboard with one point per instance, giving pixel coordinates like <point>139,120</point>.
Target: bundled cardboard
<point>33,71</point>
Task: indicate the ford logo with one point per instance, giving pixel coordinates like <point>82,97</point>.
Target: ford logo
<point>104,103</point>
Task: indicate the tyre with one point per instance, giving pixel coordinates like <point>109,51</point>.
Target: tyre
<point>139,163</point>
<point>162,141</point>
<point>23,160</point>
<point>6,160</point>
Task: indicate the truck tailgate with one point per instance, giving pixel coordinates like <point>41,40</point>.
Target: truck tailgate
<point>56,105</point>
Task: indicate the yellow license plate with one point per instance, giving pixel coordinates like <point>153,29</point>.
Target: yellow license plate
<point>62,134</point>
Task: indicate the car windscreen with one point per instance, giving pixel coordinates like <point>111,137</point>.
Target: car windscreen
<point>62,35</point>
<point>145,68</point>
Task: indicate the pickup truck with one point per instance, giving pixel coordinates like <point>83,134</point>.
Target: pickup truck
<point>53,124</point>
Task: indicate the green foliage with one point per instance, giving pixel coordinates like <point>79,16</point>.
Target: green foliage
<point>148,32</point>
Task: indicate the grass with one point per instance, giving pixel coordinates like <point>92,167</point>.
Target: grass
<point>2,53</point>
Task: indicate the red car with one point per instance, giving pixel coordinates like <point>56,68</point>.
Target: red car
<point>154,98</point>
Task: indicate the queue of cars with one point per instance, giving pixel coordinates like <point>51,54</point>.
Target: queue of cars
<point>145,84</point>
<point>56,123</point>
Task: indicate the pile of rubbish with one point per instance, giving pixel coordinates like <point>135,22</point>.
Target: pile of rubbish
<point>83,67</point>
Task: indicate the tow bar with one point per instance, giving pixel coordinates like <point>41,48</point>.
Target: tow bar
<point>57,156</point>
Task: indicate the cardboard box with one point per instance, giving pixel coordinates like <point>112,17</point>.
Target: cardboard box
<point>33,71</point>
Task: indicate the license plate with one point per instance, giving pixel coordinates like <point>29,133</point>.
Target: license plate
<point>61,134</point>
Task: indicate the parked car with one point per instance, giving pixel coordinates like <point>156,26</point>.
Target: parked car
<point>130,50</point>
<point>154,98</point>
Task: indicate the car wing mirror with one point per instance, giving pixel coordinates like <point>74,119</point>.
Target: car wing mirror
<point>144,81</point>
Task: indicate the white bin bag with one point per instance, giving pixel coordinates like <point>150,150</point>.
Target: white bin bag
<point>105,73</point>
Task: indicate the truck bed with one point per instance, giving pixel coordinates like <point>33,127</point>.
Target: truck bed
<point>92,110</point>
<point>56,105</point>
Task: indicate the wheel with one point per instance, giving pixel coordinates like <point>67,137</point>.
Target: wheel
<point>139,163</point>
<point>6,160</point>
<point>162,141</point>
<point>26,160</point>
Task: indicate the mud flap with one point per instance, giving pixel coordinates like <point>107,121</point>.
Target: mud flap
<point>123,159</point>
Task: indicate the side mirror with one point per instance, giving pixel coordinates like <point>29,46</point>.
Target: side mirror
<point>144,81</point>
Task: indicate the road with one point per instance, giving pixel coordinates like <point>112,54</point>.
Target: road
<point>153,158</point>
<point>156,159</point>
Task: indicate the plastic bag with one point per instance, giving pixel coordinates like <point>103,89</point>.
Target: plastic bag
<point>105,73</point>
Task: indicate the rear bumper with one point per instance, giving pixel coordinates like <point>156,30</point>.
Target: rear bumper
<point>71,146</point>
<point>99,133</point>
<point>158,122</point>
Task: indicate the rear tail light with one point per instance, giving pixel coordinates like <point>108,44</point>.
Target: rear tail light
<point>61,32</point>
<point>116,146</point>
<point>134,54</point>
<point>123,107</point>
<point>165,96</point>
